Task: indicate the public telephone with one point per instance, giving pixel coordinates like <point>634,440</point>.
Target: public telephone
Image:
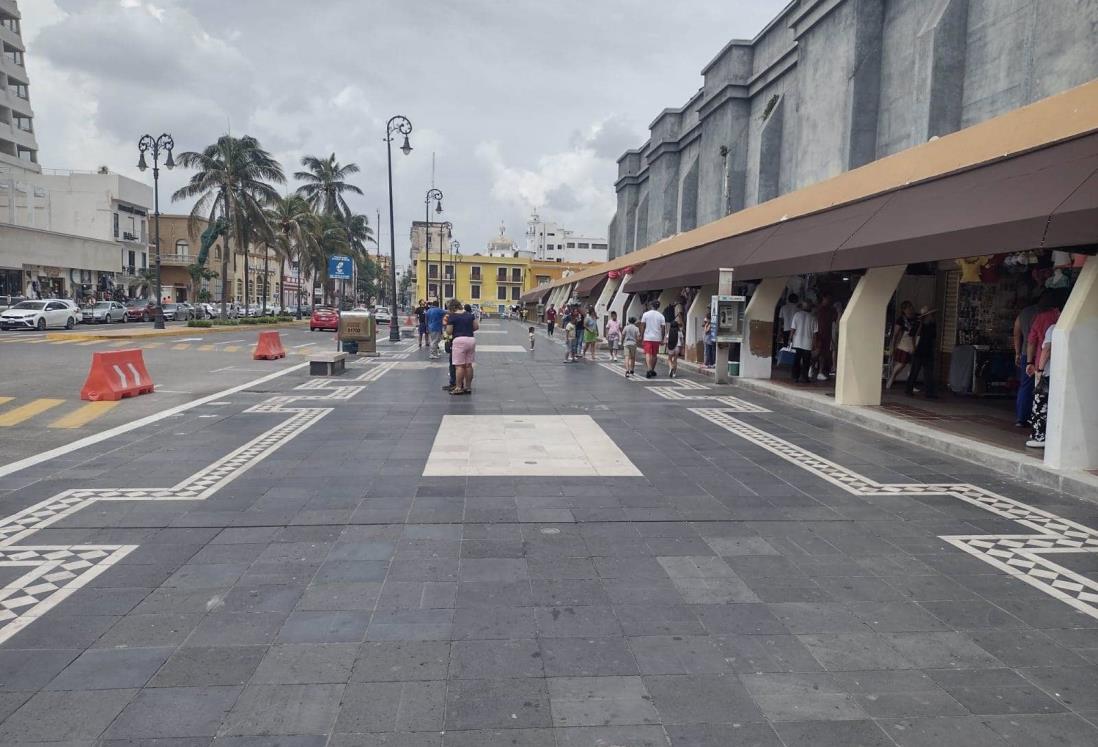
<point>727,313</point>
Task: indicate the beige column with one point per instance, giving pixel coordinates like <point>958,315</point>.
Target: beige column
<point>1071,433</point>
<point>861,337</point>
<point>761,308</point>
<point>695,322</point>
<point>602,304</point>
<point>618,304</point>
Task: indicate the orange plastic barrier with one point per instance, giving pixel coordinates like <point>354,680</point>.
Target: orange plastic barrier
<point>268,347</point>
<point>409,321</point>
<point>116,374</point>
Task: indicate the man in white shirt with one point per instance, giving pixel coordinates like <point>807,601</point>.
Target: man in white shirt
<point>652,326</point>
<point>802,336</point>
<point>788,311</point>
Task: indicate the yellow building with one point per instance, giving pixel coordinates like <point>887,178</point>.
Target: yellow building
<point>493,282</point>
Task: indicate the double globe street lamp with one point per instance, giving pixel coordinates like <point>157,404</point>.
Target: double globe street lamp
<point>436,195</point>
<point>154,146</point>
<point>397,125</point>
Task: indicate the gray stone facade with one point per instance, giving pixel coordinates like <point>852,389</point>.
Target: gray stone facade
<point>830,85</point>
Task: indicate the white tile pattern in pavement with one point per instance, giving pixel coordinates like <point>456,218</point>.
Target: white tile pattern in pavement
<point>500,348</point>
<point>56,571</point>
<point>526,445</point>
<point>1027,557</point>
<point>685,389</point>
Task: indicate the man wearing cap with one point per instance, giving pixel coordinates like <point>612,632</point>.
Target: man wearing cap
<point>923,359</point>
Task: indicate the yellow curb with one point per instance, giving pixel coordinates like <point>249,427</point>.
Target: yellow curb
<point>142,334</point>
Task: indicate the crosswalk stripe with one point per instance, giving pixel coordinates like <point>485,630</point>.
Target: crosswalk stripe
<point>206,348</point>
<point>231,348</point>
<point>29,410</point>
<point>182,346</point>
<point>84,415</point>
<point>151,345</point>
<point>90,342</point>
<point>121,343</point>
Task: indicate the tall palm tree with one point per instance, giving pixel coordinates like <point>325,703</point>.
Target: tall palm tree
<point>232,180</point>
<point>359,234</point>
<point>326,183</point>
<point>328,238</point>
<point>290,218</point>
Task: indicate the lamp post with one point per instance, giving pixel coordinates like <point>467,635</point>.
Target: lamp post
<point>445,231</point>
<point>148,143</point>
<point>436,195</point>
<point>397,125</point>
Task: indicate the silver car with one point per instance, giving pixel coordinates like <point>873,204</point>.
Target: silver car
<point>176,312</point>
<point>104,312</point>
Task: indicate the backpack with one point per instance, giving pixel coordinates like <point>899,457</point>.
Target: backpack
<point>669,314</point>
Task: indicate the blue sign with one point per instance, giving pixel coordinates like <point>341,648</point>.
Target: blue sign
<point>339,268</point>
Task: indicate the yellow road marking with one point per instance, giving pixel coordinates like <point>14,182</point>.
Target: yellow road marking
<point>231,348</point>
<point>152,345</point>
<point>29,410</point>
<point>121,343</point>
<point>5,400</point>
<point>206,348</point>
<point>182,346</point>
<point>84,415</point>
<point>91,342</point>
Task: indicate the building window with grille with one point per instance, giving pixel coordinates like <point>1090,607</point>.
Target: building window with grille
<point>474,272</point>
<point>474,292</point>
<point>432,271</point>
<point>182,248</point>
<point>515,292</point>
<point>448,289</point>
<point>516,274</point>
<point>501,274</point>
<point>501,293</point>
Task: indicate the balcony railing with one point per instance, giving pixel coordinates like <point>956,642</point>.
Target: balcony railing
<point>178,259</point>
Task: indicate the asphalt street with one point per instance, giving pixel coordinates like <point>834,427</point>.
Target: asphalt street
<point>564,558</point>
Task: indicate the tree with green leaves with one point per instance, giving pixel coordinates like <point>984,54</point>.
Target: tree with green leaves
<point>328,237</point>
<point>291,219</point>
<point>325,184</point>
<point>232,180</point>
<point>199,273</point>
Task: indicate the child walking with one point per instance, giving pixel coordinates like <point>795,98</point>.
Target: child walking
<point>629,336</point>
<point>569,340</point>
<point>613,335</point>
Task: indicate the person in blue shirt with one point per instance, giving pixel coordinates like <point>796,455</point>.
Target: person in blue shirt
<point>434,327</point>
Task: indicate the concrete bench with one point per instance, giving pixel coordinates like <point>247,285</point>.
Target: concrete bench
<point>327,364</point>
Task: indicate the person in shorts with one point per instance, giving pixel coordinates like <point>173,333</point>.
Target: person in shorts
<point>550,319</point>
<point>434,316</point>
<point>674,341</point>
<point>421,322</point>
<point>630,334</point>
<point>569,340</point>
<point>590,334</point>
<point>652,325</point>
<point>613,336</point>
<point>462,329</point>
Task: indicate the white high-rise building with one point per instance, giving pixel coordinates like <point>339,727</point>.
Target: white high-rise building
<point>18,146</point>
<point>551,242</point>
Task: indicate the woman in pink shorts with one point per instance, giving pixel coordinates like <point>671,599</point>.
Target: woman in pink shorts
<point>462,328</point>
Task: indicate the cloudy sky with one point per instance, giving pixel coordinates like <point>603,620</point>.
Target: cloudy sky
<point>525,103</point>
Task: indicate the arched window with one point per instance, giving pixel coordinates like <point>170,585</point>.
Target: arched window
<point>182,248</point>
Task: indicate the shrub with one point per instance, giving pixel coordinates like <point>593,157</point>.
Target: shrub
<point>250,320</point>
<point>200,323</point>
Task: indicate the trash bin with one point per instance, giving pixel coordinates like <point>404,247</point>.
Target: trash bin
<point>360,328</point>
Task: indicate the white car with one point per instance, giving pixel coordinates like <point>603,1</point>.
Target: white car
<point>38,315</point>
<point>382,317</point>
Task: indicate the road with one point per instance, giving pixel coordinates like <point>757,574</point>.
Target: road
<point>564,558</point>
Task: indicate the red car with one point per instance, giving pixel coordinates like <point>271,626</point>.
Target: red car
<point>324,318</point>
<point>140,311</point>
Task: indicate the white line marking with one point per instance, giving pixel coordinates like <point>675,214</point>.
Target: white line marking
<point>306,345</point>
<point>121,375</point>
<point>95,438</point>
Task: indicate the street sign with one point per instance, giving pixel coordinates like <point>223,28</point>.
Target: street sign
<point>339,267</point>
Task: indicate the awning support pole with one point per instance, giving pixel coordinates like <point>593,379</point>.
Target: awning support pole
<point>1072,427</point>
<point>861,337</point>
<point>760,308</point>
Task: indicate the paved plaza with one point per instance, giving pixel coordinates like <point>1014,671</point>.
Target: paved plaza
<point>566,558</point>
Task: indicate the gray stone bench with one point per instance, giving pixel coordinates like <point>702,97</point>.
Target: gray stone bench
<point>327,364</point>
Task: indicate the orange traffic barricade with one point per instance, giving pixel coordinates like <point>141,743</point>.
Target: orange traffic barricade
<point>269,347</point>
<point>116,374</point>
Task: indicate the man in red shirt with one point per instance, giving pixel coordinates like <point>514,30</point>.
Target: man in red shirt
<point>550,319</point>
<point>1047,315</point>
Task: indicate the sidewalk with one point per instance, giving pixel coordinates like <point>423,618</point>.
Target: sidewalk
<point>565,558</point>
<point>124,332</point>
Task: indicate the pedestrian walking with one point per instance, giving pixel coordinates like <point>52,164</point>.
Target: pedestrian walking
<point>675,335</point>
<point>447,342</point>
<point>652,327</point>
<point>577,339</point>
<point>903,341</point>
<point>630,335</point>
<point>434,316</point>
<point>569,339</point>
<point>1023,401</point>
<point>462,328</point>
<point>550,319</point>
<point>1041,372</point>
<point>803,338</point>
<point>788,311</point>
<point>590,333</point>
<point>924,358</point>
<point>709,335</point>
<point>825,337</point>
<point>613,336</point>
<point>421,322</point>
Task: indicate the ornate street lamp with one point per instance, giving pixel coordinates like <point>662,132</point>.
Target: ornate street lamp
<point>445,231</point>
<point>436,195</point>
<point>397,125</point>
<point>154,146</point>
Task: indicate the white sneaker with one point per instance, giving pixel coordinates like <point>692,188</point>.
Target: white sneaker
<point>821,377</point>
<point>1035,444</point>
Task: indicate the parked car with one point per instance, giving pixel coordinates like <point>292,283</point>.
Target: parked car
<point>324,318</point>
<point>382,317</point>
<point>38,315</point>
<point>176,312</point>
<point>208,311</point>
<point>6,302</point>
<point>104,312</point>
<point>141,310</point>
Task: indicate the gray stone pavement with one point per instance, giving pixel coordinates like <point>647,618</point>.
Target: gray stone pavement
<point>766,576</point>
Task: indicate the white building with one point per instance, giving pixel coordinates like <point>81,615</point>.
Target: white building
<point>18,146</point>
<point>504,246</point>
<point>549,241</point>
<point>69,233</point>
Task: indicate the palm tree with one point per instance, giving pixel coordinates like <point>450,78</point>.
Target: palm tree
<point>290,218</point>
<point>328,238</point>
<point>359,234</point>
<point>326,183</point>
<point>232,180</point>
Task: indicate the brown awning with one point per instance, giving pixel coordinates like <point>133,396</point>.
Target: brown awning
<point>537,295</point>
<point>698,267</point>
<point>588,286</point>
